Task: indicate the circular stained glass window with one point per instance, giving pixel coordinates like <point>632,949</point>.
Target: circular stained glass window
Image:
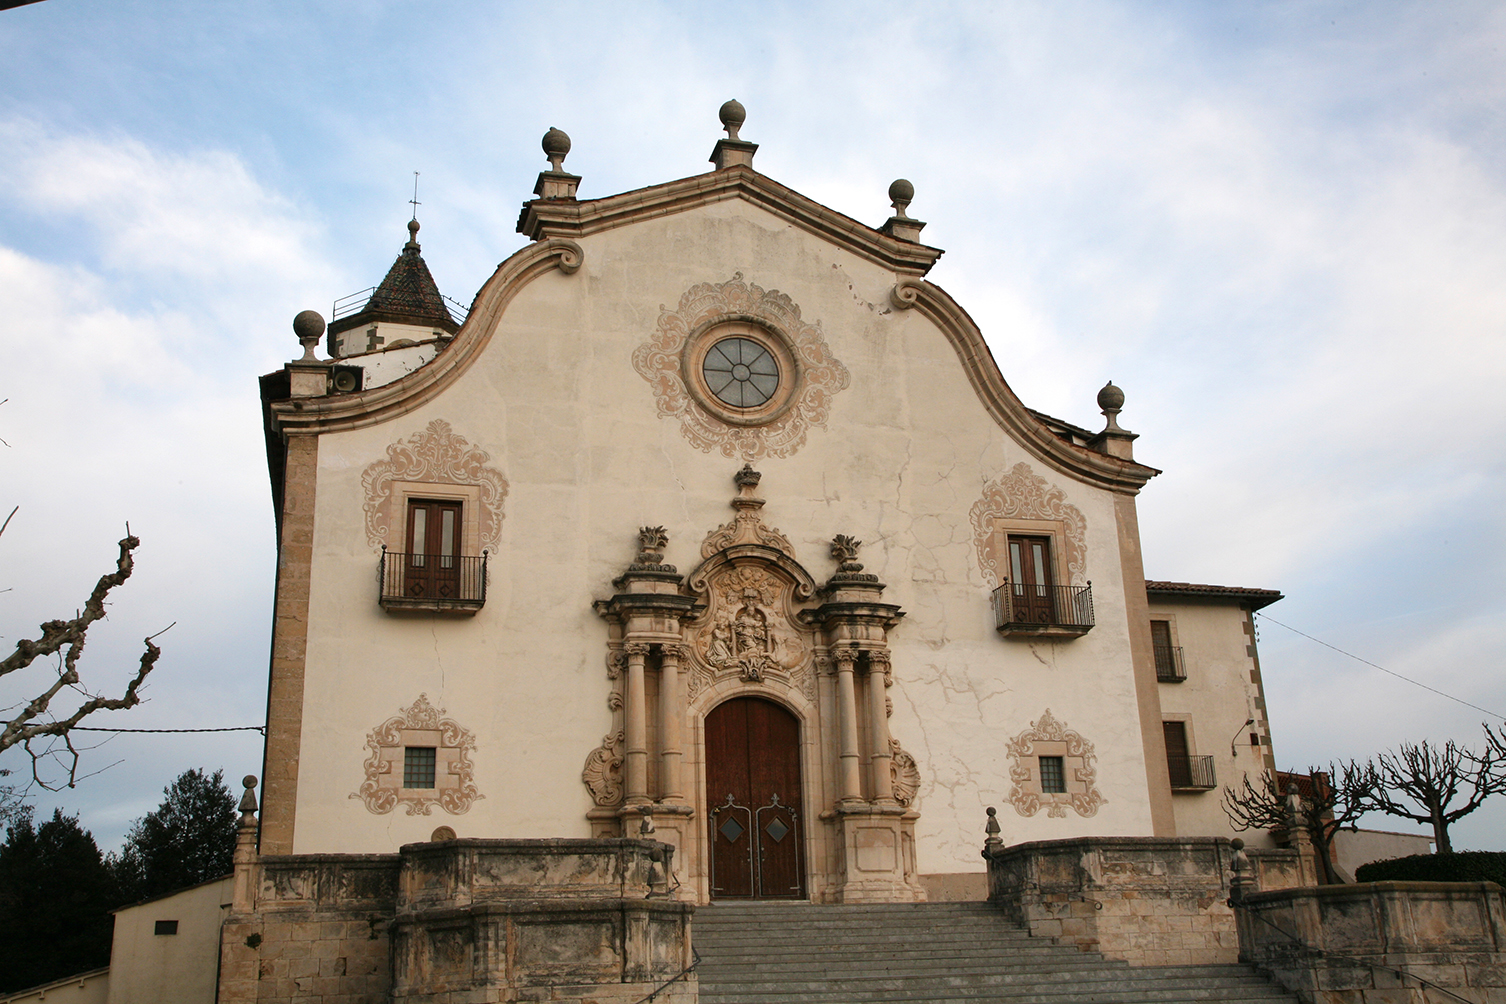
<point>741,372</point>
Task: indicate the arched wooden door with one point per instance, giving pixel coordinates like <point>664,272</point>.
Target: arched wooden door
<point>753,801</point>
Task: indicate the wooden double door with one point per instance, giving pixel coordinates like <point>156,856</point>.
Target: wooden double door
<point>753,801</point>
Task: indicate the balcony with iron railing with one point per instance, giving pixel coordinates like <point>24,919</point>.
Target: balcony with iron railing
<point>1191,773</point>
<point>1169,665</point>
<point>433,583</point>
<point>1035,611</point>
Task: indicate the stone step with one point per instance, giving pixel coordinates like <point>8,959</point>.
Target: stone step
<point>763,953</point>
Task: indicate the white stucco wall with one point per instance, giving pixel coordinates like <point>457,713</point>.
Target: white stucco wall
<point>1215,700</point>
<point>146,968</point>
<point>556,402</point>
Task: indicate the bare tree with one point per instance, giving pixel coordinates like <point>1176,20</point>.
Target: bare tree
<point>31,725</point>
<point>1331,800</point>
<point>1420,782</point>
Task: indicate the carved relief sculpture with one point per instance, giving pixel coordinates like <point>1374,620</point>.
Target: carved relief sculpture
<point>1049,737</point>
<point>434,456</point>
<point>424,726</point>
<point>802,398</point>
<point>603,770</point>
<point>903,772</point>
<point>1021,494</point>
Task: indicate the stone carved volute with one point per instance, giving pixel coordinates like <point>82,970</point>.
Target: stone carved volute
<point>603,770</point>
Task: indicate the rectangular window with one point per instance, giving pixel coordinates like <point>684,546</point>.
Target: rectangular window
<point>1178,763</point>
<point>165,927</point>
<point>418,766</point>
<point>1168,657</point>
<point>1053,777</point>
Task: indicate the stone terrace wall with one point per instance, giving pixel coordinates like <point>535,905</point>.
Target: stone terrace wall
<point>1338,943</point>
<point>459,922</point>
<point>1151,901</point>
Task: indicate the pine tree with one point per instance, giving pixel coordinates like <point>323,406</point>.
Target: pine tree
<point>188,839</point>
<point>55,899</point>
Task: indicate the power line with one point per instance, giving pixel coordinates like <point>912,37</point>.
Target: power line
<point>1383,669</point>
<point>234,728</point>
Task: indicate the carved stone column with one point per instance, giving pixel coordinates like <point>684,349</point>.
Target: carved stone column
<point>671,724</point>
<point>635,724</point>
<point>847,712</point>
<point>879,755</point>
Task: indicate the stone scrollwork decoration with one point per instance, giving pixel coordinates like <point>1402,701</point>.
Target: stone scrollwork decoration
<point>437,455</point>
<point>1049,737</point>
<point>425,726</point>
<point>1021,494</point>
<point>818,375</point>
<point>603,771</point>
<point>903,773</point>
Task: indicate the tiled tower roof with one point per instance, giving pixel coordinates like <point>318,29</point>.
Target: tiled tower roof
<point>408,294</point>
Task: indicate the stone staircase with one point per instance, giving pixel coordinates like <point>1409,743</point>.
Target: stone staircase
<point>770,953</point>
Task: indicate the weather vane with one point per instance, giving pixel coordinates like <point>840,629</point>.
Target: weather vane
<point>414,201</point>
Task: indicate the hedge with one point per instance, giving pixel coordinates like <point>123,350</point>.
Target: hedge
<point>1465,866</point>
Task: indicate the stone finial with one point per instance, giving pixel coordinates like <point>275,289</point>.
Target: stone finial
<point>556,183</point>
<point>308,325</point>
<point>747,477</point>
<point>733,115</point>
<point>1111,401</point>
<point>901,225</point>
<point>845,550</point>
<point>901,194</point>
<point>556,145</point>
<point>1242,882</point>
<point>1296,815</point>
<point>651,543</point>
<point>733,151</point>
<point>412,244</point>
<point>992,842</point>
<point>248,804</point>
<point>646,828</point>
<point>1113,440</point>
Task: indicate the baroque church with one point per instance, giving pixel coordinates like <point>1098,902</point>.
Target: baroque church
<point>711,538</point>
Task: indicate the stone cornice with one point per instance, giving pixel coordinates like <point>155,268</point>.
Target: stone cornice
<point>568,218</point>
<point>1080,463</point>
<point>354,411</point>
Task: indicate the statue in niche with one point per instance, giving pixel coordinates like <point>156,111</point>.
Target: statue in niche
<point>745,635</point>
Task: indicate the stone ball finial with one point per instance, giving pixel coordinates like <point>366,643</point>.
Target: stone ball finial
<point>1110,398</point>
<point>308,326</point>
<point>249,781</point>
<point>733,115</point>
<point>413,230</point>
<point>901,194</point>
<point>1237,843</point>
<point>556,145</point>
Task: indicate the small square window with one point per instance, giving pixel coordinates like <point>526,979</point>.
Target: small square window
<point>1053,778</point>
<point>418,766</point>
<point>165,927</point>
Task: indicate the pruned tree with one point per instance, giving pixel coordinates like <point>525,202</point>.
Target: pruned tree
<point>32,724</point>
<point>188,839</point>
<point>1333,799</point>
<point>1421,781</point>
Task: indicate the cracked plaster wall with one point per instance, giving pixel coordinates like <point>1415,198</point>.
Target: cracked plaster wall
<point>556,403</point>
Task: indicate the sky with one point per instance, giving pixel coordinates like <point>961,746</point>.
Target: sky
<point>1279,227</point>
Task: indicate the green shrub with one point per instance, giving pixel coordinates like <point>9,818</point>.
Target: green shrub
<point>1465,866</point>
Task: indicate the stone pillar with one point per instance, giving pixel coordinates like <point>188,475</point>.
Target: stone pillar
<point>635,722</point>
<point>671,715</point>
<point>850,785</point>
<point>879,755</point>
<point>243,894</point>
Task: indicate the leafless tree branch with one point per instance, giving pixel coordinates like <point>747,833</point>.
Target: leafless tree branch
<point>33,722</point>
<point>1420,781</point>
<point>1335,799</point>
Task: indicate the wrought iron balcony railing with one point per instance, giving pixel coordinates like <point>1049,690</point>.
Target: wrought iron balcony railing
<point>1169,665</point>
<point>1025,609</point>
<point>443,583</point>
<point>1191,773</point>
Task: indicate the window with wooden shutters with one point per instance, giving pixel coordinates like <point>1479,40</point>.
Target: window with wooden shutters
<point>1169,667</point>
<point>1187,772</point>
<point>1030,579</point>
<point>432,571</point>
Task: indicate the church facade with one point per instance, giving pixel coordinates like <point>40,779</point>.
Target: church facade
<point>714,519</point>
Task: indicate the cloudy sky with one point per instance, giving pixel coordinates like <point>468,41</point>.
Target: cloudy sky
<point>1280,227</point>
